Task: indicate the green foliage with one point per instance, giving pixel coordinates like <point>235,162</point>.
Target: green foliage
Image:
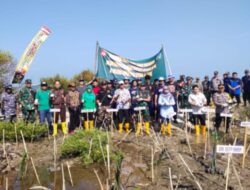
<point>30,131</point>
<point>86,75</point>
<point>78,145</point>
<point>51,80</point>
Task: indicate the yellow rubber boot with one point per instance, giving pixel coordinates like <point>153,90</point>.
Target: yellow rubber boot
<point>55,125</point>
<point>86,125</point>
<point>163,130</point>
<point>64,128</point>
<point>197,130</point>
<point>169,129</point>
<point>147,126</point>
<point>138,129</point>
<point>127,127</point>
<point>120,128</point>
<point>204,130</point>
<point>91,124</point>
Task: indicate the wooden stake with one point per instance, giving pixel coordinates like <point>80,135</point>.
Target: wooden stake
<point>34,168</point>
<point>245,144</point>
<point>63,178</point>
<point>90,147</point>
<point>100,183</point>
<point>100,143</point>
<point>170,178</point>
<point>6,183</point>
<point>16,135</point>
<point>237,175</point>
<point>55,151</point>
<point>24,145</point>
<point>152,163</point>
<point>108,160</point>
<point>70,176</point>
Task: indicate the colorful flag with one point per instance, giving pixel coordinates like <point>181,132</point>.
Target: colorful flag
<point>112,66</point>
<point>29,54</point>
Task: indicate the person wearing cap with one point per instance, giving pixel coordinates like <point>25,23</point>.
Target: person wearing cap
<point>89,104</point>
<point>198,100</point>
<point>215,81</point>
<point>123,101</point>
<point>185,92</point>
<point>143,100</point>
<point>57,98</point>
<point>235,87</point>
<point>73,105</point>
<point>9,104</point>
<point>221,100</point>
<point>42,100</point>
<point>226,81</point>
<point>166,102</point>
<point>26,99</point>
<point>147,83</point>
<point>246,87</point>
<point>206,85</point>
<point>134,93</point>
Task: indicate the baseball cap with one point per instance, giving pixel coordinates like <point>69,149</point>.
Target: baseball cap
<point>28,81</point>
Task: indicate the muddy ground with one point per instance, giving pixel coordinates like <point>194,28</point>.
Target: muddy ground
<point>136,170</point>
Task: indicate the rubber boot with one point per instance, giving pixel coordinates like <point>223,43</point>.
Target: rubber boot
<point>138,129</point>
<point>147,128</point>
<point>127,127</point>
<point>91,124</point>
<point>64,128</point>
<point>204,130</point>
<point>86,125</point>
<point>163,130</point>
<point>169,129</point>
<point>197,130</point>
<point>55,129</point>
<point>120,127</point>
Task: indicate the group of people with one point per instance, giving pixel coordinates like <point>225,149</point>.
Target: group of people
<point>138,102</point>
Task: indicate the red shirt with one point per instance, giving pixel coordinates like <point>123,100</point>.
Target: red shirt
<point>96,90</point>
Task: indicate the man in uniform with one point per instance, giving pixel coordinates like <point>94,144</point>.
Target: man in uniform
<point>26,98</point>
<point>8,104</point>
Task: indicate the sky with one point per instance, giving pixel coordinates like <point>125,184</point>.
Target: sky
<point>199,36</point>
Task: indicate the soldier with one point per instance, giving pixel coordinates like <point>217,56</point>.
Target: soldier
<point>206,84</point>
<point>143,99</point>
<point>185,92</point>
<point>26,98</point>
<point>134,93</point>
<point>8,104</point>
<point>58,101</point>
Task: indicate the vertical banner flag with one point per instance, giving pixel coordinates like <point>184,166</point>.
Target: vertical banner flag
<point>112,66</point>
<point>29,54</point>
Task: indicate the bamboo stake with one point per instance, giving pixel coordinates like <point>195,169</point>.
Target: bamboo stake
<point>16,135</point>
<point>105,163</point>
<point>170,178</point>
<point>100,183</point>
<point>55,151</point>
<point>152,163</point>
<point>108,160</point>
<point>178,181</point>
<point>6,183</point>
<point>34,168</point>
<point>24,145</point>
<point>4,151</point>
<point>107,184</point>
<point>245,144</point>
<point>63,178</point>
<point>191,173</point>
<point>90,147</point>
<point>70,176</point>
<point>124,137</point>
<point>237,175</point>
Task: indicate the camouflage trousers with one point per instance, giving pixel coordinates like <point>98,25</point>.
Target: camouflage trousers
<point>29,115</point>
<point>103,118</point>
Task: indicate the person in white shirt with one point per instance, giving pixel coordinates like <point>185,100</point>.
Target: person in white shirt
<point>123,102</point>
<point>166,101</point>
<point>198,101</point>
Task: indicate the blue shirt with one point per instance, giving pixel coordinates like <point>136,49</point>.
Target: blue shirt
<point>233,84</point>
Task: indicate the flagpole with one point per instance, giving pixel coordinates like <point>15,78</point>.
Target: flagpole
<point>165,55</point>
<point>96,57</point>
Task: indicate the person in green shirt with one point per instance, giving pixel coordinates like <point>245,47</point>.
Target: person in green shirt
<point>89,103</point>
<point>43,102</point>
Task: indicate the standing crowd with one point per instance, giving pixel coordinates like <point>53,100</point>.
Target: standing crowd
<point>137,104</point>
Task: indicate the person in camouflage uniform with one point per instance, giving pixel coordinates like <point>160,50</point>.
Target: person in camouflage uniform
<point>143,99</point>
<point>26,98</point>
<point>184,93</point>
<point>8,104</point>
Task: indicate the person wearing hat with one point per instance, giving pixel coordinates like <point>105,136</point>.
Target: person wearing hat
<point>206,85</point>
<point>246,87</point>
<point>235,87</point>
<point>73,105</point>
<point>89,103</point>
<point>123,101</point>
<point>42,100</point>
<point>9,104</point>
<point>198,100</point>
<point>185,92</point>
<point>143,100</point>
<point>215,81</point>
<point>57,98</point>
<point>26,99</point>
<point>166,102</point>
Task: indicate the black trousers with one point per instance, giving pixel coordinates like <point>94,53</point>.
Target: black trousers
<point>237,97</point>
<point>219,119</point>
<point>199,119</point>
<point>74,118</point>
<point>246,97</point>
<point>89,116</point>
<point>123,115</point>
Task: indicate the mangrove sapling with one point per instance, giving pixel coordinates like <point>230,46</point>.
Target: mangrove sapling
<point>118,164</point>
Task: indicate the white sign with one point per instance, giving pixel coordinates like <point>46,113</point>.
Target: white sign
<point>185,110</point>
<point>54,110</point>
<point>229,149</point>
<point>208,110</point>
<point>88,111</point>
<point>112,110</point>
<point>226,115</point>
<point>139,108</point>
<point>245,124</point>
